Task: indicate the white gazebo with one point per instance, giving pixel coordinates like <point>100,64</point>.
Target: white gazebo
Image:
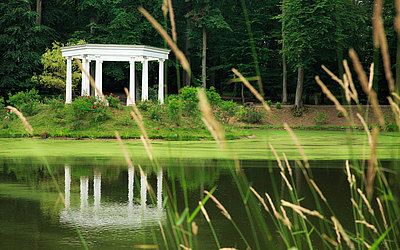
<point>117,53</point>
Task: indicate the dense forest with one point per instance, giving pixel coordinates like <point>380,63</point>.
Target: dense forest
<point>284,42</point>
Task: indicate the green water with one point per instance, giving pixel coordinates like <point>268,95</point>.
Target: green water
<point>110,206</point>
<point>318,145</point>
<point>112,209</point>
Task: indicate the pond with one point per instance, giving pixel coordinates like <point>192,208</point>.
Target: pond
<point>67,194</point>
<point>112,208</point>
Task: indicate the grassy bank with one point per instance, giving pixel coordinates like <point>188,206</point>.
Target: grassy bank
<point>59,122</point>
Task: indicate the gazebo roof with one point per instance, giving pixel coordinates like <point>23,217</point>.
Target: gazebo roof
<point>114,52</point>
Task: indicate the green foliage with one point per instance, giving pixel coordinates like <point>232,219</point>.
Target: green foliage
<point>213,97</point>
<point>278,105</point>
<point>390,125</point>
<point>320,118</point>
<point>21,44</point>
<point>225,111</point>
<point>249,115</point>
<point>254,115</point>
<point>55,68</point>
<point>340,114</point>
<point>89,107</point>
<point>2,102</point>
<point>209,17</point>
<point>26,102</point>
<point>113,101</point>
<point>157,112</point>
<point>173,107</point>
<point>153,94</point>
<point>55,103</point>
<point>144,105</point>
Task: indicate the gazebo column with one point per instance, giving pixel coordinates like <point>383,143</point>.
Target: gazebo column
<point>67,186</point>
<point>68,87</point>
<point>161,80</point>
<point>145,79</point>
<point>99,76</point>
<point>85,78</point>
<point>159,189</point>
<point>132,90</point>
<point>143,188</point>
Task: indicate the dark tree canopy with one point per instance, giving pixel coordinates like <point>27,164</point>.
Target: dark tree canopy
<point>316,32</point>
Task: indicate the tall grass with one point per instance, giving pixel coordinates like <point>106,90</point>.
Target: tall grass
<point>374,205</point>
<point>296,227</point>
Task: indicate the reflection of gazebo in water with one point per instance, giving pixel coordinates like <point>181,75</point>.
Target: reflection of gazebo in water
<point>116,53</point>
<point>121,215</point>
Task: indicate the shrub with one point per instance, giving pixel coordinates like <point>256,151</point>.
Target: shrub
<point>144,105</point>
<point>269,102</point>
<point>278,105</point>
<point>250,115</point>
<point>241,113</point>
<point>190,99</point>
<point>89,106</point>
<point>27,102</point>
<point>156,112</point>
<point>213,96</point>
<point>320,118</point>
<point>225,110</point>
<point>254,115</point>
<point>172,104</point>
<point>55,103</point>
<point>390,125</point>
<point>113,101</point>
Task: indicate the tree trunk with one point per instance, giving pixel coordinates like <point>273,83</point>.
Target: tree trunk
<point>204,57</point>
<point>376,61</point>
<point>397,88</point>
<point>315,98</point>
<point>39,11</point>
<point>186,76</point>
<point>339,54</point>
<point>284,78</point>
<point>298,104</point>
<point>284,69</point>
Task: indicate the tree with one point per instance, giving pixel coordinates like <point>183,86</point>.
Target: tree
<point>207,18</point>
<point>307,29</point>
<point>21,44</point>
<point>54,69</point>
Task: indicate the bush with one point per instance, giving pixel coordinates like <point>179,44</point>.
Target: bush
<point>390,125</point>
<point>213,97</point>
<point>225,110</point>
<point>278,105</point>
<point>250,115</point>
<point>254,115</point>
<point>113,100</point>
<point>156,112</point>
<point>89,106</point>
<point>320,118</point>
<point>144,105</point>
<point>172,104</point>
<point>26,102</point>
<point>55,103</point>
